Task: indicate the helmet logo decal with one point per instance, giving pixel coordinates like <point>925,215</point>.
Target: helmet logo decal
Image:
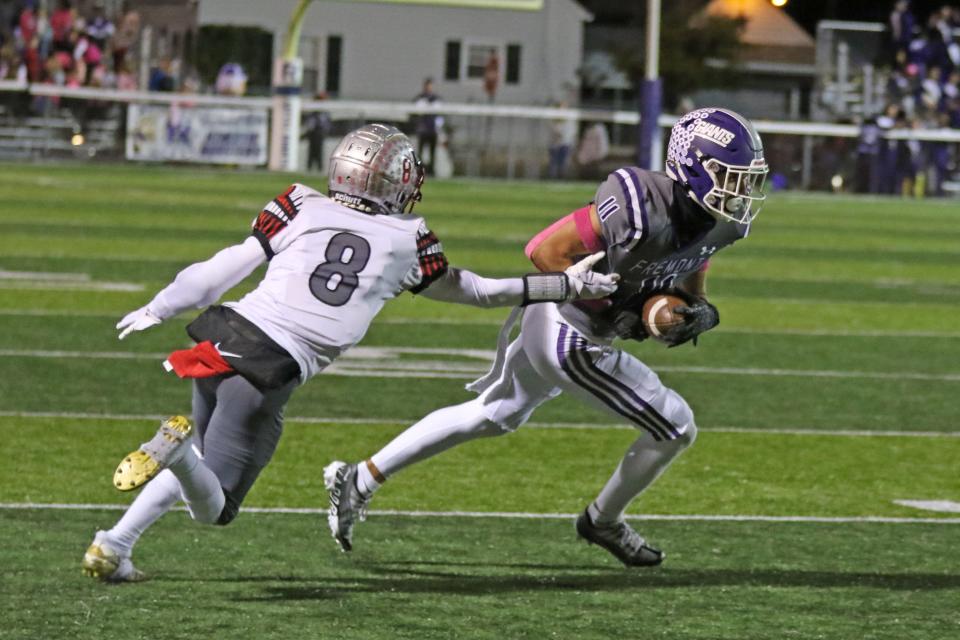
<point>705,156</point>
<point>713,133</point>
<point>406,171</point>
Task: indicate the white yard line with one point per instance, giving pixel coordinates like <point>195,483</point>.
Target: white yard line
<point>28,280</point>
<point>67,285</point>
<point>855,433</point>
<point>50,276</point>
<point>384,362</point>
<point>520,515</point>
<point>943,506</point>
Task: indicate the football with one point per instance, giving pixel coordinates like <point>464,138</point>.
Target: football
<point>658,316</point>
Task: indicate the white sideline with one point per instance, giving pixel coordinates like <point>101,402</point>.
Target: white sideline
<point>859,433</point>
<point>351,365</point>
<point>519,515</point>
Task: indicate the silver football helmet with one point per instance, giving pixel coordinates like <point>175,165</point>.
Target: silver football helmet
<point>374,169</point>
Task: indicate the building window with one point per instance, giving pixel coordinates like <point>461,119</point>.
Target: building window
<point>451,61</point>
<point>334,56</point>
<point>513,64</point>
<point>311,48</point>
<point>477,57</point>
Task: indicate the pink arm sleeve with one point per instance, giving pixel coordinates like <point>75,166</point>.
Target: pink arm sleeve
<point>580,217</point>
<point>590,239</point>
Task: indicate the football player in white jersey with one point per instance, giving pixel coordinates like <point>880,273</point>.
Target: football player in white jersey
<point>334,260</point>
<point>659,231</point>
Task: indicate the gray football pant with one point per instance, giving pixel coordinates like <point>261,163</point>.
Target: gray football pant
<point>238,428</point>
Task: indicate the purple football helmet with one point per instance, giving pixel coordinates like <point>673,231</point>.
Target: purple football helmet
<point>718,156</point>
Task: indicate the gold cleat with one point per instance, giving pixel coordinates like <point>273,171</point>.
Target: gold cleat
<point>140,466</point>
<point>102,562</point>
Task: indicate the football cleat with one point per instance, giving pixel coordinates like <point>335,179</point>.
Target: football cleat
<point>621,540</point>
<point>105,563</point>
<point>347,504</point>
<point>164,449</point>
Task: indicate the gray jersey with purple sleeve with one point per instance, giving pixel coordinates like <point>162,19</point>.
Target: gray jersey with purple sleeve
<point>655,236</point>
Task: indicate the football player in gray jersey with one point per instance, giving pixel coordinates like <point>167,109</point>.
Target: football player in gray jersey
<point>659,231</point>
<point>333,263</point>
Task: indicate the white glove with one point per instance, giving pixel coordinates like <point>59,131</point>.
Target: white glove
<point>586,284</point>
<point>137,321</point>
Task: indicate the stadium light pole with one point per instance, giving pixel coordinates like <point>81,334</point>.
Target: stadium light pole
<point>287,86</point>
<point>649,144</point>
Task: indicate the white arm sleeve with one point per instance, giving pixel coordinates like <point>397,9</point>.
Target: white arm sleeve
<point>203,283</point>
<point>466,287</point>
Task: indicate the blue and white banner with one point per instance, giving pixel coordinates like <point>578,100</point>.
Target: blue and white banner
<point>182,133</point>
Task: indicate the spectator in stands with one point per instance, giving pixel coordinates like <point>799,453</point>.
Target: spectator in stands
<point>938,154</point>
<point>428,126</point>
<point>33,61</point>
<point>127,34</point>
<point>317,128</point>
<point>909,158</point>
<point>901,26</point>
<point>932,89</point>
<point>61,24</point>
<point>491,76</point>
<point>86,54</point>
<point>161,77</point>
<point>951,88</point>
<point>919,53</point>
<point>27,23</point>
<point>9,62</point>
<point>231,80</point>
<point>563,135</point>
<point>867,177</point>
<point>99,28</point>
<point>126,79</point>
<point>44,33</point>
<point>888,149</point>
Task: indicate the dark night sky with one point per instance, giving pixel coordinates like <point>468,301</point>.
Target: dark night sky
<point>809,12</point>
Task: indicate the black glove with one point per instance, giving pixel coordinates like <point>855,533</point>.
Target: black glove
<point>629,325</point>
<point>699,316</point>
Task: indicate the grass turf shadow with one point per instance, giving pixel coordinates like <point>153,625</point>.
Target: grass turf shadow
<point>399,578</point>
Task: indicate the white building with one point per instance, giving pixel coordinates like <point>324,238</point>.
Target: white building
<point>383,49</point>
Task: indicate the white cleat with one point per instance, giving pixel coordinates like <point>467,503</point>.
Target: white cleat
<point>347,504</point>
<point>106,563</point>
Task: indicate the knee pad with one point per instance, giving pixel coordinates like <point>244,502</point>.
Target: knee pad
<point>679,413</point>
<point>689,436</point>
<point>230,510</point>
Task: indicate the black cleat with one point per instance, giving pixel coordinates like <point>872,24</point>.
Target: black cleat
<point>621,540</point>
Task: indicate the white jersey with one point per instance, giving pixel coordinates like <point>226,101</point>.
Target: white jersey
<point>331,270</point>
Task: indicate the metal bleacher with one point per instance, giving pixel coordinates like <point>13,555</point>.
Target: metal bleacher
<point>62,135</point>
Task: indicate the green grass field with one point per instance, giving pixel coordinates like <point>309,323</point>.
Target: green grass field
<point>828,393</point>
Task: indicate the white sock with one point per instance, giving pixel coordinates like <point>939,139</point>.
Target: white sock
<point>439,431</point>
<point>643,463</point>
<point>366,483</point>
<point>153,501</point>
<point>200,487</point>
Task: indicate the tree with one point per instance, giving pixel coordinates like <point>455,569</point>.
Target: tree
<point>691,41</point>
<point>250,47</point>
